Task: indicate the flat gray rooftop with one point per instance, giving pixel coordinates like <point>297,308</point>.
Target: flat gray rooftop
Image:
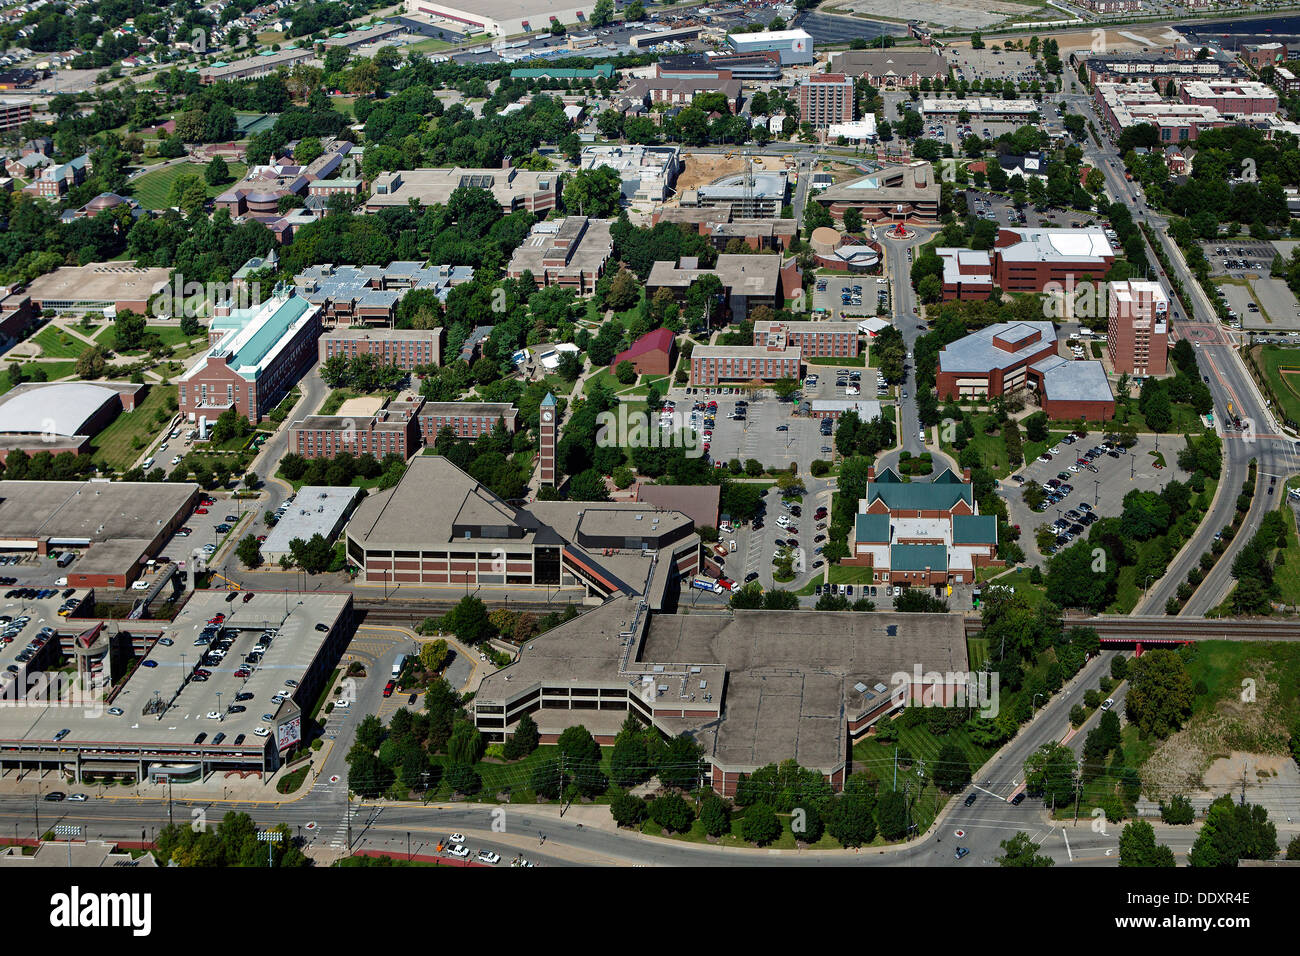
<point>316,509</point>
<point>288,658</point>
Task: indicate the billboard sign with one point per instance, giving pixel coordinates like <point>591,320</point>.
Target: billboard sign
<point>288,733</point>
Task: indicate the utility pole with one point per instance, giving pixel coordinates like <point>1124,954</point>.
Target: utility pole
<point>895,767</point>
<point>1078,785</point>
<point>170,821</point>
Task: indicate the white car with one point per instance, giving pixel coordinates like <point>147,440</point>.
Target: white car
<point>783,520</point>
<point>487,856</point>
<point>458,851</point>
<point>1074,468</point>
<point>261,732</point>
<point>213,715</point>
<point>176,460</point>
<point>456,838</point>
<point>342,702</point>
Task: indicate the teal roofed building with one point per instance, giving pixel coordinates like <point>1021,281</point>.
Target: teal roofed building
<point>925,534</point>
<point>257,354</point>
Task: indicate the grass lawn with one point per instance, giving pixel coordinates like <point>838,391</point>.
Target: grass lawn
<point>430,45</point>
<point>841,362</point>
<point>1019,579</point>
<point>1033,449</point>
<point>167,334</point>
<point>991,447</point>
<point>515,775</point>
<point>977,650</point>
<point>153,189</point>
<point>112,446</point>
<point>55,343</point>
<point>840,574</point>
<point>876,755</point>
<point>1186,421</point>
<point>1127,592</point>
<point>1288,575</point>
<point>53,372</point>
<point>1272,360</point>
<point>604,377</point>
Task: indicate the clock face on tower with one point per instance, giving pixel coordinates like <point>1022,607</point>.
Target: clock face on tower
<point>546,416</point>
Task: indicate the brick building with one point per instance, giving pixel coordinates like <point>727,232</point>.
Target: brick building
<point>1072,390</point>
<point>466,419</point>
<point>405,348</point>
<point>1138,335</point>
<point>890,194</point>
<point>652,354</point>
<point>713,365</point>
<point>254,364</point>
<point>813,339</point>
<point>994,360</point>
<point>369,295</point>
<point>893,68</point>
<point>393,430</point>
<point>748,281</point>
<point>538,192</point>
<point>826,99</point>
<point>922,534</point>
<point>570,253</point>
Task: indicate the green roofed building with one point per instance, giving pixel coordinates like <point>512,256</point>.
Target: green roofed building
<point>922,533</point>
<point>605,70</point>
<point>257,355</point>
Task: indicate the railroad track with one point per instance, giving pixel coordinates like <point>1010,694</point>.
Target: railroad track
<point>1178,629</point>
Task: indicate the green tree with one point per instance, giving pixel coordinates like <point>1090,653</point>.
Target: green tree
<point>580,761</point>
<point>715,815</point>
<point>952,770</point>
<point>593,192</point>
<point>759,825</point>
<point>627,810</point>
<point>249,551</point>
<point>468,620</point>
<point>216,172</point>
<point>434,654</point>
<point>1022,852</point>
<point>672,812</point>
<point>891,815</point>
<point>1233,832</point>
<point>1160,693</point>
<point>524,740</point>
<point>1138,847</point>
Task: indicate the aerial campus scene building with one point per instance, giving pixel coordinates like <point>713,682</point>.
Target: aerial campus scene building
<point>750,434</point>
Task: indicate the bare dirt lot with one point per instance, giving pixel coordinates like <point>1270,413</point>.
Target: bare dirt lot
<point>702,169</point>
<point>1208,757</point>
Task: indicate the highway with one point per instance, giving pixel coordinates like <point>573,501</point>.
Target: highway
<point>1229,382</point>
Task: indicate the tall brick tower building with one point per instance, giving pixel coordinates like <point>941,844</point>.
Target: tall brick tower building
<point>548,429</point>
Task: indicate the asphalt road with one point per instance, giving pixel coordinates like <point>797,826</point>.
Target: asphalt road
<point>1229,382</point>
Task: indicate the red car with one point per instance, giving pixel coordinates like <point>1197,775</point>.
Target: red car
<point>248,596</point>
<point>202,673</point>
<point>200,511</point>
<point>243,672</point>
<point>389,688</point>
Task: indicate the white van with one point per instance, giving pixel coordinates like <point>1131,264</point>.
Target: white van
<point>141,585</point>
<point>148,463</point>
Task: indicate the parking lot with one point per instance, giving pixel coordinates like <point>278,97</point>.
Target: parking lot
<point>865,295</point>
<point>1102,491</point>
<point>202,529</point>
<point>770,432</point>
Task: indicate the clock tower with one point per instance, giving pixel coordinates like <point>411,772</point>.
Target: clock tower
<point>547,431</point>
